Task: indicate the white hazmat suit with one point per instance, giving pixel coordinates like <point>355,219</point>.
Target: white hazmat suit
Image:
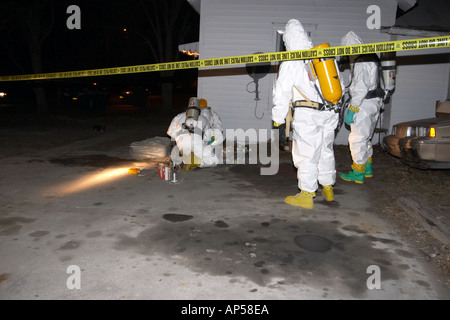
<point>363,111</point>
<point>313,130</point>
<point>207,134</point>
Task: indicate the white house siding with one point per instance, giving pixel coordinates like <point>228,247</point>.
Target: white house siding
<point>422,79</point>
<point>240,27</point>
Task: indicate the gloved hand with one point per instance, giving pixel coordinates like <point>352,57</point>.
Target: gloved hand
<point>276,125</point>
<point>349,117</point>
<point>218,137</point>
<point>207,134</point>
<point>212,140</point>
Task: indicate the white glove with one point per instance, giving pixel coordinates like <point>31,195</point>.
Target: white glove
<point>218,137</point>
<point>207,135</point>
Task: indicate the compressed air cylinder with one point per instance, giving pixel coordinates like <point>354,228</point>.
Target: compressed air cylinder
<point>193,110</point>
<point>328,77</point>
<point>388,67</point>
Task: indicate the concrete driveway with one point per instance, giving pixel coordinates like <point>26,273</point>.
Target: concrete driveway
<point>74,224</point>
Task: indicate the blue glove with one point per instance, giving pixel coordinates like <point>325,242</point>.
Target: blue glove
<point>349,117</point>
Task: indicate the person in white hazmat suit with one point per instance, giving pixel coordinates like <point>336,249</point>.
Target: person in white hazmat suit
<point>313,129</point>
<point>196,139</point>
<point>363,112</point>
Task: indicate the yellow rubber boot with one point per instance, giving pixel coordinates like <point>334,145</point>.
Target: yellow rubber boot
<point>303,199</point>
<point>327,193</point>
<point>195,162</point>
<point>369,172</point>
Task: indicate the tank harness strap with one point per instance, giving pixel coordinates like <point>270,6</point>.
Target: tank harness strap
<point>311,105</point>
<point>307,103</point>
<point>290,114</point>
<point>195,108</point>
<point>376,93</point>
<point>289,118</point>
<point>304,97</point>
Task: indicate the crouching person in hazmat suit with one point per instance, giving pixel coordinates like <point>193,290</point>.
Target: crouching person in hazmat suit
<point>364,110</point>
<point>314,122</point>
<point>196,133</point>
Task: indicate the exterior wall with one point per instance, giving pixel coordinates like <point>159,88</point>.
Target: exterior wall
<point>240,27</point>
<point>422,79</point>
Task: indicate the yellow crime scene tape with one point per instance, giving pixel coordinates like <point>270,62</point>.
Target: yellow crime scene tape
<point>390,46</point>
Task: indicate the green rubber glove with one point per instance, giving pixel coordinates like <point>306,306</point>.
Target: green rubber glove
<point>349,117</point>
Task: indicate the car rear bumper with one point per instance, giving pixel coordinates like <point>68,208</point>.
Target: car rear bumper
<point>391,146</point>
<point>421,153</point>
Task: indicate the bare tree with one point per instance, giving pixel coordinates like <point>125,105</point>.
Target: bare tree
<point>158,26</point>
<point>169,22</point>
<point>32,22</point>
<point>39,19</point>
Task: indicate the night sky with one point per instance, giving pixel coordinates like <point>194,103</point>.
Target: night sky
<point>101,41</point>
<point>113,33</point>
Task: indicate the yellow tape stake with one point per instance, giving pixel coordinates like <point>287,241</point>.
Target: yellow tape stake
<point>391,46</point>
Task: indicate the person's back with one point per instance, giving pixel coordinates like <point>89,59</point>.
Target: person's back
<point>313,125</point>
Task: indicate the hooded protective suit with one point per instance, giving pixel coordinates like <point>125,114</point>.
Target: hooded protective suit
<point>313,130</point>
<point>362,121</point>
<point>207,133</point>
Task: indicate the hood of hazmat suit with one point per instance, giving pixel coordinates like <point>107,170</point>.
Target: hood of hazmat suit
<point>351,39</point>
<point>295,37</point>
<point>292,73</point>
<point>363,75</point>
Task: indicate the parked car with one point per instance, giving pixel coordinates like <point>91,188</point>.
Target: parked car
<point>16,94</point>
<point>423,144</point>
<point>86,96</point>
